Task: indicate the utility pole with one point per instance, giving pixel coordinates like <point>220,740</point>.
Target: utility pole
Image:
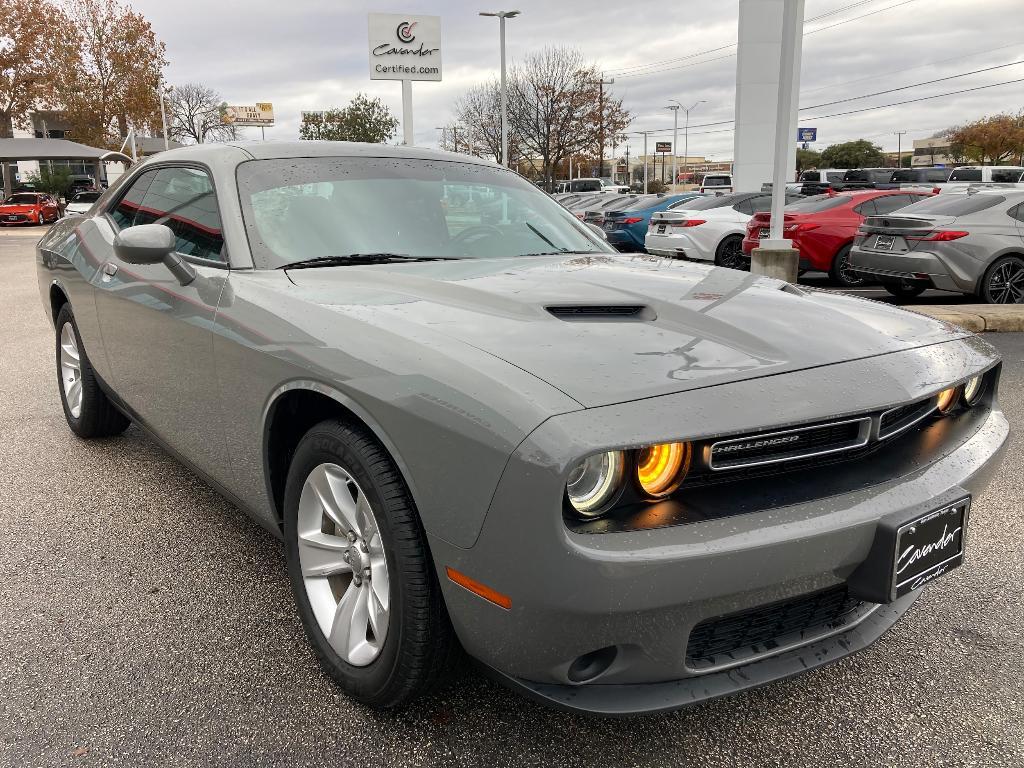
<point>899,148</point>
<point>600,117</point>
<point>629,176</point>
<point>645,160</point>
<point>675,107</point>
<point>163,113</point>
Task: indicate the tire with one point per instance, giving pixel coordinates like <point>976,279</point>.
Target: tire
<point>344,462</point>
<point>41,220</point>
<point>1003,282</point>
<point>904,289</point>
<point>729,253</point>
<point>840,272</point>
<point>88,410</point>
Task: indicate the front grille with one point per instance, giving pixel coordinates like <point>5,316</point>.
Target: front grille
<point>789,445</point>
<point>903,417</point>
<point>763,629</point>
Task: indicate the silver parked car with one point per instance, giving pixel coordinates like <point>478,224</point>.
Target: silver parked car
<point>969,243</point>
<point>620,483</point>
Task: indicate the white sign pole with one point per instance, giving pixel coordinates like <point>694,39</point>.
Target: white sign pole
<point>789,82</point>
<point>407,112</point>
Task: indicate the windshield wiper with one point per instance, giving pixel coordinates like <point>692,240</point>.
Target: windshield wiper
<point>564,253</point>
<point>360,258</point>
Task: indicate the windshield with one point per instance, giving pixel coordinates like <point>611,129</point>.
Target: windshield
<point>953,205</point>
<point>305,208</point>
<point>816,203</point>
<point>708,203</point>
<point>22,199</point>
<point>716,181</point>
<point>86,197</point>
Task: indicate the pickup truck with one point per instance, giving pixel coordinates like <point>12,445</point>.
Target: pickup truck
<point>854,178</point>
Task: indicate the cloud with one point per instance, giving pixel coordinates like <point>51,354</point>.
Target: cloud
<point>311,54</point>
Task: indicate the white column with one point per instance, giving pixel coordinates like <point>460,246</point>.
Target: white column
<point>760,38</point>
<point>504,99</point>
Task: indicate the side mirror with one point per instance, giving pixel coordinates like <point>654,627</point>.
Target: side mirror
<point>152,244</point>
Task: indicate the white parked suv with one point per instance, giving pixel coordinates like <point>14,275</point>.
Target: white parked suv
<point>708,228</point>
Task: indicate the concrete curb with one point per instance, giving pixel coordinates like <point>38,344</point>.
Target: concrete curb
<point>976,317</point>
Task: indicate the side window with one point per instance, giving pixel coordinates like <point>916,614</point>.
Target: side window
<point>130,204</point>
<point>764,202</point>
<point>890,203</point>
<point>867,208</point>
<point>184,200</point>
<point>1017,212</point>
<point>745,206</point>
<point>938,175</point>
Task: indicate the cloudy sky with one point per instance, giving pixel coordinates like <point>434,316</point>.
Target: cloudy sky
<point>311,54</point>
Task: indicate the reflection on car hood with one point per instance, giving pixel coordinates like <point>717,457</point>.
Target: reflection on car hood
<point>19,208</point>
<point>701,326</point>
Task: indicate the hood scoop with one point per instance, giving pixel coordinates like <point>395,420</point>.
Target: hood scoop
<point>593,312</point>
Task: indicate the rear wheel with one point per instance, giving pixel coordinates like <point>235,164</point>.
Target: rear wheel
<point>840,271</point>
<point>1003,282</point>
<point>730,253</point>
<point>904,289</point>
<point>87,409</point>
<point>361,571</point>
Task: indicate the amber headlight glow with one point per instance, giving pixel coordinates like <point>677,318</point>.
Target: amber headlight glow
<point>947,399</point>
<point>661,468</point>
<point>594,483</point>
<point>973,390</point>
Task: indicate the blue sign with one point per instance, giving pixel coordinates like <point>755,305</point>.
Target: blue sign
<point>807,134</point>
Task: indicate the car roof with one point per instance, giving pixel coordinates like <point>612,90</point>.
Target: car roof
<point>273,150</point>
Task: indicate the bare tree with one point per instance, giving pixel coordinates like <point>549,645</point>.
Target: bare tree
<point>195,115</point>
<point>478,114</point>
<point>557,109</point>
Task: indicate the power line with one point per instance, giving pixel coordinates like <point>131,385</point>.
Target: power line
<point>922,98</point>
<point>657,66</point>
<point>914,85</point>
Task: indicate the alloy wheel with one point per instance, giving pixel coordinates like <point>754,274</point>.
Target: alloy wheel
<point>344,570</point>
<point>846,275</point>
<point>732,254</point>
<point>1006,283</point>
<point>71,369</point>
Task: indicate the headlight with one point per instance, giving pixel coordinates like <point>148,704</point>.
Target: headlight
<point>661,468</point>
<point>947,399</point>
<point>974,389</point>
<point>594,483</point>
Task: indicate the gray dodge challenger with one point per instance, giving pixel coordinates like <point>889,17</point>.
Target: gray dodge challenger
<point>620,484</point>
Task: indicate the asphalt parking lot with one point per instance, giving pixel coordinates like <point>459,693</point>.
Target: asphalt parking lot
<point>145,621</point>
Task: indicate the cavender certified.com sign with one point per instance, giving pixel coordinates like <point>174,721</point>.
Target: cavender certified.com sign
<point>404,47</point>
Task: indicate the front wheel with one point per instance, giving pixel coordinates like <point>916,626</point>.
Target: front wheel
<point>840,271</point>
<point>904,289</point>
<point>730,253</point>
<point>87,409</point>
<point>1003,282</point>
<point>361,571</point>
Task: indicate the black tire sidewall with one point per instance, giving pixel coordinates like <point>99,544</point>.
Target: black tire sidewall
<point>843,254</point>
<point>720,252</point>
<point>325,444</point>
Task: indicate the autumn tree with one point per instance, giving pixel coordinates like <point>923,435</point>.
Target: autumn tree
<point>363,119</point>
<point>106,72</point>
<point>194,115</point>
<point>853,154</point>
<point>27,30</point>
<point>556,107</point>
<point>991,140</point>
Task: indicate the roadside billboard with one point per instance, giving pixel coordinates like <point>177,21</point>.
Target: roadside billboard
<point>663,146</point>
<point>404,46</point>
<point>260,114</point>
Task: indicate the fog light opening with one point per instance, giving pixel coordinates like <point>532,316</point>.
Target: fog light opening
<point>591,665</point>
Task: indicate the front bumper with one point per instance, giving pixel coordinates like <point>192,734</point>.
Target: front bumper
<point>642,592</point>
<point>947,274</point>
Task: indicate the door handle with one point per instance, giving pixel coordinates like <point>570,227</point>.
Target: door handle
<point>109,269</point>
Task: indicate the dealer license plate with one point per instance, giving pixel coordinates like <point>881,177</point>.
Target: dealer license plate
<point>12,218</point>
<point>763,232</point>
<point>884,242</point>
<point>661,229</point>
<point>928,547</point>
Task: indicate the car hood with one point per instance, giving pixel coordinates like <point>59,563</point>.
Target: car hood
<point>698,325</point>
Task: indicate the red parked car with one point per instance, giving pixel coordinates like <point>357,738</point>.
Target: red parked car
<point>823,227</point>
<point>29,208</point>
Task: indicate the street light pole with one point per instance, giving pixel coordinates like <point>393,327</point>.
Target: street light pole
<point>899,148</point>
<point>502,15</point>
<point>686,134</point>
<point>163,114</point>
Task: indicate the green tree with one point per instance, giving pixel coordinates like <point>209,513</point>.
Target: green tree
<point>853,154</point>
<point>363,119</point>
<point>55,180</point>
<point>807,158</point>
